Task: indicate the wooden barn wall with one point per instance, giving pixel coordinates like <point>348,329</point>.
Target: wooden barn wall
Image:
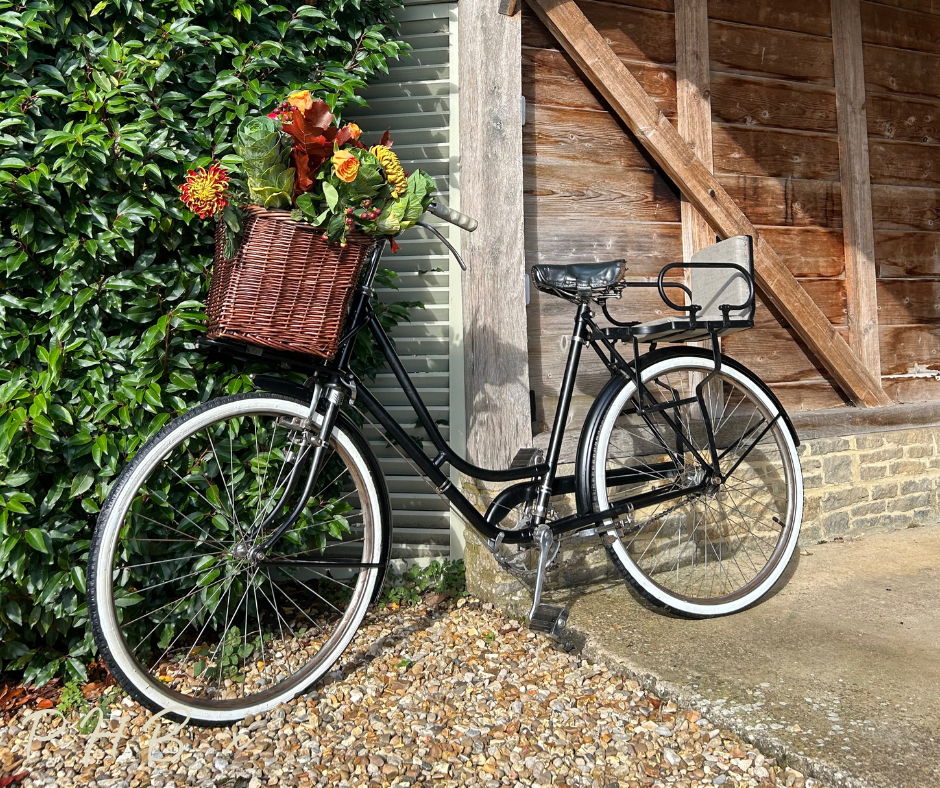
<point>776,150</point>
<point>902,81</point>
<point>592,194</point>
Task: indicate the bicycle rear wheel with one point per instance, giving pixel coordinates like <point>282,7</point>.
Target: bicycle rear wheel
<point>185,613</point>
<point>722,542</point>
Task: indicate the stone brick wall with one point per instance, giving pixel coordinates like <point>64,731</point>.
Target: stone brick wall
<point>861,484</point>
<point>853,485</point>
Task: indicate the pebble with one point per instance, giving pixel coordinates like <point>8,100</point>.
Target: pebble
<point>511,708</point>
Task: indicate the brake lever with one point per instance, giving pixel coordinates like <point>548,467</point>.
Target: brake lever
<point>435,231</point>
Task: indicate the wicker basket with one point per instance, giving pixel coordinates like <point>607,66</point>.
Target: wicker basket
<point>286,288</point>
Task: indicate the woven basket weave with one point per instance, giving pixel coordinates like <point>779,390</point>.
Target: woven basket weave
<point>286,288</point>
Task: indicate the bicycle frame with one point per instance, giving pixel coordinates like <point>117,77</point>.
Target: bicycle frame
<point>536,483</point>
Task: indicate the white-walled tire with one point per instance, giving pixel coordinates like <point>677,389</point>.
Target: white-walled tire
<point>186,505</point>
<point>720,549</point>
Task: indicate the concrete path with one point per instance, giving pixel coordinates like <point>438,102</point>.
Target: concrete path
<point>837,674</point>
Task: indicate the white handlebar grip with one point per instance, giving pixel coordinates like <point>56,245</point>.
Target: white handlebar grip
<point>463,221</point>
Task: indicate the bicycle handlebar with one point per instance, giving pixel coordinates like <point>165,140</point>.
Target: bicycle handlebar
<point>462,221</point>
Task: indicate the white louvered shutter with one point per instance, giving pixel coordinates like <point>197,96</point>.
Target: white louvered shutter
<point>417,100</point>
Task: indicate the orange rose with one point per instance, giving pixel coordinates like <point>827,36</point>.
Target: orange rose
<point>301,99</point>
<point>354,130</point>
<point>345,165</point>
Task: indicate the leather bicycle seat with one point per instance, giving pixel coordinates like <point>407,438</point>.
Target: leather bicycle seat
<point>575,281</point>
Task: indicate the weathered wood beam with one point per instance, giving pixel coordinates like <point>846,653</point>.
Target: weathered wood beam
<point>632,104</point>
<point>858,231</point>
<point>496,361</point>
<point>508,7</point>
<point>694,109</point>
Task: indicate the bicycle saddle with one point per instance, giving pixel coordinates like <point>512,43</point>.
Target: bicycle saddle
<point>577,281</point>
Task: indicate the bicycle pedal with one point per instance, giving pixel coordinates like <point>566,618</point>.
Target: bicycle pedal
<point>550,619</point>
<point>525,457</point>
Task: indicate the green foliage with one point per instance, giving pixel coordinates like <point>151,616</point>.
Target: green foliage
<point>103,107</point>
<point>439,577</point>
<point>72,699</point>
<point>224,662</point>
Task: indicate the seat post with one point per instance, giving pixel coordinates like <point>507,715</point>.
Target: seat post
<point>578,341</point>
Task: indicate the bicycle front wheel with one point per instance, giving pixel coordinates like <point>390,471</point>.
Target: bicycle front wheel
<point>186,613</point>
<point>722,540</point>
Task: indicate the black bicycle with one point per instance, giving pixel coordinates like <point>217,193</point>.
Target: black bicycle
<point>237,554</point>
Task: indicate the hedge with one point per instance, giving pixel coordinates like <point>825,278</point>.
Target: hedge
<point>103,107</point>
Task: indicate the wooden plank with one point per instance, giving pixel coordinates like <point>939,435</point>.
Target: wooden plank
<point>646,247</point>
<point>924,6</point>
<point>694,109</point>
<point>896,27</point>
<point>578,135</point>
<point>900,253</point>
<point>655,5</point>
<point>905,163</point>
<point>908,350</point>
<point>908,301</point>
<point>827,294</point>
<point>905,208</point>
<point>743,49</point>
<point>910,390</point>
<point>772,103</point>
<point>809,396</point>
<point>791,15</point>
<point>744,150</point>
<point>779,355</point>
<point>634,34</point>
<point>494,320</point>
<point>901,71</point>
<point>858,233</point>
<point>807,251</point>
<point>596,60</point>
<point>787,202</point>
<point>549,78</point>
<point>562,188</point>
<point>903,118</point>
<point>508,7</point>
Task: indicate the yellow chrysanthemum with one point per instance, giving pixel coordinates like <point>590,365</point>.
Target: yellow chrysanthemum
<point>392,166</point>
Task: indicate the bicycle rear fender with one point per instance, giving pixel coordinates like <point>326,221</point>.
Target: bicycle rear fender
<point>288,388</point>
<point>592,422</point>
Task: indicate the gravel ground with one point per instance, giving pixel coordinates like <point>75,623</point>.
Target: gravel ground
<point>449,695</point>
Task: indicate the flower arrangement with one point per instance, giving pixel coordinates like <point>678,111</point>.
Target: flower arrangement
<point>298,158</point>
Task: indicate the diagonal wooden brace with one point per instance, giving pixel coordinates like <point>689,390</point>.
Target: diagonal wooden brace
<point>632,104</point>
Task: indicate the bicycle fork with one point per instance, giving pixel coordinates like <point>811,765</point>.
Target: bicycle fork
<point>312,451</point>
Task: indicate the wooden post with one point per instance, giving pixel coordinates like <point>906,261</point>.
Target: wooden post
<point>693,103</point>
<point>496,365</point>
<point>627,98</point>
<point>857,230</point>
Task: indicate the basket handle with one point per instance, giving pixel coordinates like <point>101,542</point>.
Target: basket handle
<point>463,221</point>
